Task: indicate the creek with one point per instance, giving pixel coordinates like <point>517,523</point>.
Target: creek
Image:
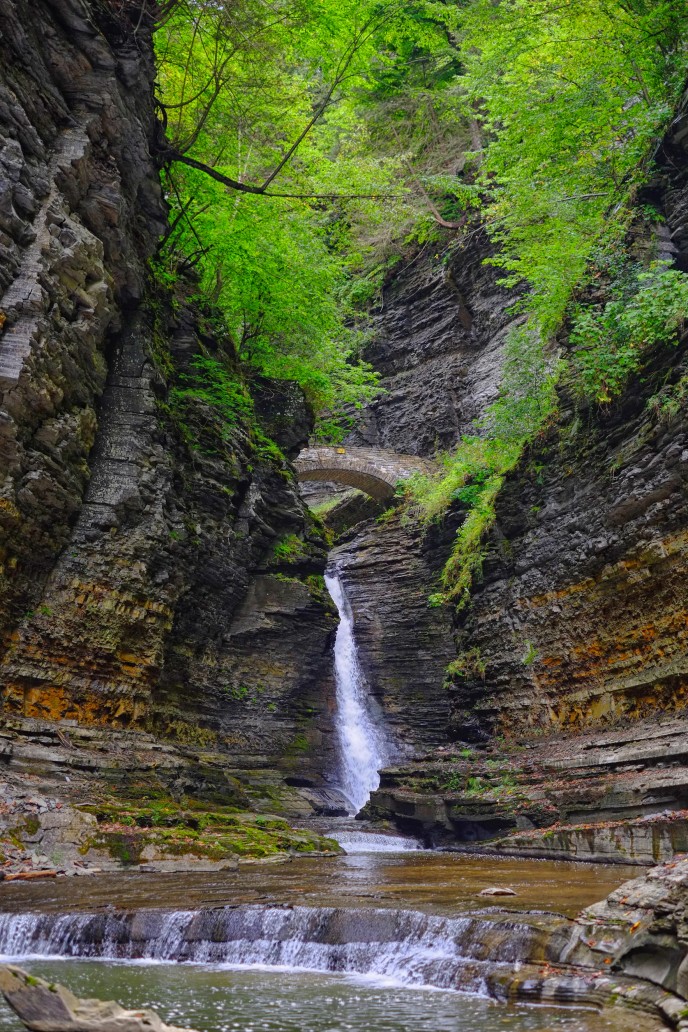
<point>373,940</point>
<point>221,999</point>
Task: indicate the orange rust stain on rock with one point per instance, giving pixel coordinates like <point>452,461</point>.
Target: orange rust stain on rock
<point>55,702</point>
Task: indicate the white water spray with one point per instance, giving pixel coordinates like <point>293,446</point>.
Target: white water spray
<point>373,842</point>
<point>409,947</point>
<point>364,746</point>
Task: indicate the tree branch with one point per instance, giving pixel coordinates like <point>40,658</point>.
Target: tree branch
<point>176,150</point>
<point>357,42</point>
<point>172,154</point>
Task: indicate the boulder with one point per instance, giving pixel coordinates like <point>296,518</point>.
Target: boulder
<point>46,1007</point>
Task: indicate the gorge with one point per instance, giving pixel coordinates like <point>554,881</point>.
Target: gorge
<point>297,660</point>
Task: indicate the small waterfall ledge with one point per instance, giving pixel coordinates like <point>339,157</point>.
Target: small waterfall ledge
<point>374,842</point>
<point>365,746</point>
<point>408,947</point>
<point>493,954</point>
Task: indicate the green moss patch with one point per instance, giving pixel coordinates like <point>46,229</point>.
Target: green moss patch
<point>126,830</point>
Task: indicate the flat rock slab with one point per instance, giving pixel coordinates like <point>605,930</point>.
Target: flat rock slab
<point>46,1007</point>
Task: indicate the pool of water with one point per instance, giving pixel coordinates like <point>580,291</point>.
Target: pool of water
<point>254,999</point>
<point>213,999</point>
<point>444,883</point>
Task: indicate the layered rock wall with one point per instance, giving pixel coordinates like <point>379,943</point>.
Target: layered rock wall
<point>158,573</point>
<point>570,671</point>
<point>440,332</point>
<point>404,644</point>
<point>581,613</point>
<point>80,209</point>
<point>572,676</point>
<point>581,616</point>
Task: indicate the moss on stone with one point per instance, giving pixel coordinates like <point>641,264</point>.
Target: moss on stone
<point>126,830</point>
<point>191,734</point>
<point>290,549</point>
<point>31,824</point>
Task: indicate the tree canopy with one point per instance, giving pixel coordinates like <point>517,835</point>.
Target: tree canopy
<point>311,142</point>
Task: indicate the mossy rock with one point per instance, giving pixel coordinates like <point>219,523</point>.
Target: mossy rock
<point>125,830</point>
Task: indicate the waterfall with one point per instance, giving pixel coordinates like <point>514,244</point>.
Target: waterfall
<point>364,746</point>
<point>374,842</point>
<point>412,948</point>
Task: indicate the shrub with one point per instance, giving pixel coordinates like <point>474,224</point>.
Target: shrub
<point>609,341</point>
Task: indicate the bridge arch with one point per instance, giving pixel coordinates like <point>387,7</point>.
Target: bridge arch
<point>372,470</point>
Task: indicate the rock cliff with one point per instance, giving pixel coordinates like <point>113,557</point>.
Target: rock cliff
<point>581,613</point>
<point>577,625</point>
<point>404,644</point>
<point>160,573</point>
<point>438,341</point>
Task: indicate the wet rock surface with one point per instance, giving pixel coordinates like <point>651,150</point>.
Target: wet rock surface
<point>47,1007</point>
<point>638,932</point>
<point>404,644</point>
<point>640,929</point>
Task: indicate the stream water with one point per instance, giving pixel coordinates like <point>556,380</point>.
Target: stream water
<point>356,943</point>
<point>220,999</point>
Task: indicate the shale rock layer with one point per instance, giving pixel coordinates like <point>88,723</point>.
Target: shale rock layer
<point>142,582</point>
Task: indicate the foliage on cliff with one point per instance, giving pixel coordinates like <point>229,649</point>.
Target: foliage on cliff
<point>268,169</point>
<point>309,143</point>
<point>571,99</point>
<point>305,142</point>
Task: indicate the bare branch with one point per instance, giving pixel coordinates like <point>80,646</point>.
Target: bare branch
<point>171,154</point>
<point>431,205</point>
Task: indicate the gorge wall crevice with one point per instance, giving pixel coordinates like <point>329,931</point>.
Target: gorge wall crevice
<point>439,337</point>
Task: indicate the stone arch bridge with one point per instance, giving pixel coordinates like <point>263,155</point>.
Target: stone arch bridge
<point>372,470</point>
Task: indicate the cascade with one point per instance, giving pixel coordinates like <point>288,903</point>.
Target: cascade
<point>357,841</point>
<point>409,947</point>
<point>364,744</point>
